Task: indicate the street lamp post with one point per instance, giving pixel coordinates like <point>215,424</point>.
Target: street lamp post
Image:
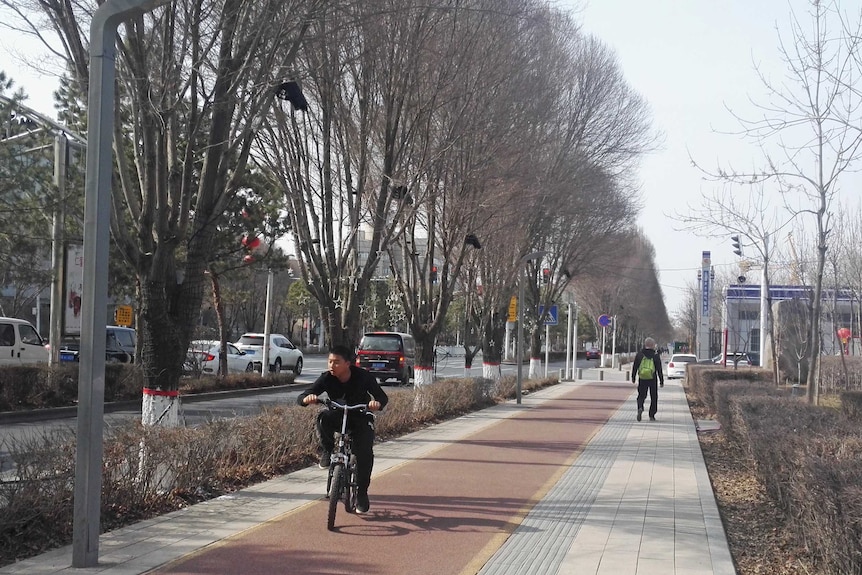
<point>97,220</point>
<point>267,324</point>
<point>520,341</point>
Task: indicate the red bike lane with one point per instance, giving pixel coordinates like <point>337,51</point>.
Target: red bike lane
<point>445,513</point>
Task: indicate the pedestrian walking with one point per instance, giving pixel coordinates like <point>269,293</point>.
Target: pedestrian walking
<point>647,370</point>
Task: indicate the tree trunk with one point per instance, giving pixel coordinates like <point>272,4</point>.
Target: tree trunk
<point>423,373</point>
<point>535,353</point>
<point>218,304</point>
<point>493,338</point>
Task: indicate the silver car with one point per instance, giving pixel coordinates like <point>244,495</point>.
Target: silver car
<point>202,358</point>
<point>677,363</point>
<point>282,353</point>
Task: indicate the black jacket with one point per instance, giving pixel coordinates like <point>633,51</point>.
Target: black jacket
<point>656,359</point>
<point>359,389</point>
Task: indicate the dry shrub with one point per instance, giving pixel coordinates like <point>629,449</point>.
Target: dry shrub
<point>234,381</point>
<point>706,377</point>
<point>37,503</point>
<point>833,378</point>
<point>851,405</point>
<point>776,431</point>
<point>41,386</point>
<point>727,393</point>
<point>26,387</point>
<point>829,502</point>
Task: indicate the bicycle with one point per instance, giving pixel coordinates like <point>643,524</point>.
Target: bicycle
<point>341,485</point>
<point>441,359</point>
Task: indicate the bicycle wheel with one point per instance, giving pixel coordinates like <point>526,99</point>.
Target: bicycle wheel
<point>335,490</point>
<point>351,489</point>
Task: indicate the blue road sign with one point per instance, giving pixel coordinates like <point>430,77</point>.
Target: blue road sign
<point>551,319</point>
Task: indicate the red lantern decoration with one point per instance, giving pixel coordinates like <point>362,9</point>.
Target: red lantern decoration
<point>248,258</point>
<point>250,243</point>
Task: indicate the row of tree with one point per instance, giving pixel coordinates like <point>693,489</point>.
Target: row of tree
<point>443,138</point>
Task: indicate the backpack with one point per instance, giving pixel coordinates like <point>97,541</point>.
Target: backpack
<point>646,369</point>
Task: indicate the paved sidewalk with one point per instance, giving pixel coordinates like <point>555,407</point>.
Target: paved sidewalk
<point>636,501</point>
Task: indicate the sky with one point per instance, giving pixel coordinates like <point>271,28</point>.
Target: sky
<point>692,61</point>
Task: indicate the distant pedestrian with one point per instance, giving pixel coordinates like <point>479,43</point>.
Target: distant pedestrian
<point>647,370</point>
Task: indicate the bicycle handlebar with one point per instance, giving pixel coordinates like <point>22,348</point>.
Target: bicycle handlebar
<point>335,405</point>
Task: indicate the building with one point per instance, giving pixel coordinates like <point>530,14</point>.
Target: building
<point>741,314</point>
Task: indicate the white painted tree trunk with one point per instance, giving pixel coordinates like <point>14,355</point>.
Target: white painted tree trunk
<point>536,368</point>
<point>160,408</point>
<point>423,376</point>
<point>491,371</point>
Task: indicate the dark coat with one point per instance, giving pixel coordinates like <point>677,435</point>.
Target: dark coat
<point>359,389</point>
<point>656,359</point>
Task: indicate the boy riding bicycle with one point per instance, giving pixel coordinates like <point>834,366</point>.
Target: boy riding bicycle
<point>349,384</point>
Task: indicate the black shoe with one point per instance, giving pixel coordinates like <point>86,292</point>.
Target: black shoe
<point>652,417</point>
<point>640,411</point>
<point>325,460</point>
<point>362,503</point>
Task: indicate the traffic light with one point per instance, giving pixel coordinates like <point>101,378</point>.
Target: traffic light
<point>546,275</point>
<point>737,247</point>
<point>433,274</point>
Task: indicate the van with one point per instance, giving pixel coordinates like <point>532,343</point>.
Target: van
<point>20,343</point>
<point>387,355</point>
<point>119,346</point>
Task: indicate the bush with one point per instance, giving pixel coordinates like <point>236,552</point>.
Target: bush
<point>40,386</point>
<point>727,395</point>
<point>829,502</point>
<point>703,378</point>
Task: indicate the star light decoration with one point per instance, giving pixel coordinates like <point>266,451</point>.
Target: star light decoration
<point>392,300</point>
<point>397,318</point>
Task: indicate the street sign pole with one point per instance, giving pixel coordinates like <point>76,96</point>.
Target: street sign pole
<point>547,346</point>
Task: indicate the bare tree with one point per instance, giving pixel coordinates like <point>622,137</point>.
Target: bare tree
<point>192,81</point>
<point>397,163</point>
<point>755,223</point>
<point>809,133</point>
<point>598,129</point>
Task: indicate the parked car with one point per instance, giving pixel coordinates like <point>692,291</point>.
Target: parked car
<point>739,358</point>
<point>119,346</point>
<point>677,364</point>
<point>593,353</point>
<point>20,343</point>
<point>202,358</point>
<point>387,355</point>
<point>282,353</point>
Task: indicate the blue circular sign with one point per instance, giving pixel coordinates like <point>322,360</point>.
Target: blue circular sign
<point>604,320</point>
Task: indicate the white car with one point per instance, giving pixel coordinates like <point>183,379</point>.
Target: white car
<point>20,343</point>
<point>677,363</point>
<point>740,359</point>
<point>282,353</point>
<point>202,358</point>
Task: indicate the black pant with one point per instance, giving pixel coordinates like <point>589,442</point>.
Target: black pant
<point>650,385</point>
<point>361,428</point>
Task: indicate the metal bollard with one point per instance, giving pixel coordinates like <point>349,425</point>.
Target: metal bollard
<point>560,376</point>
<point>601,375</point>
<point>580,373</point>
